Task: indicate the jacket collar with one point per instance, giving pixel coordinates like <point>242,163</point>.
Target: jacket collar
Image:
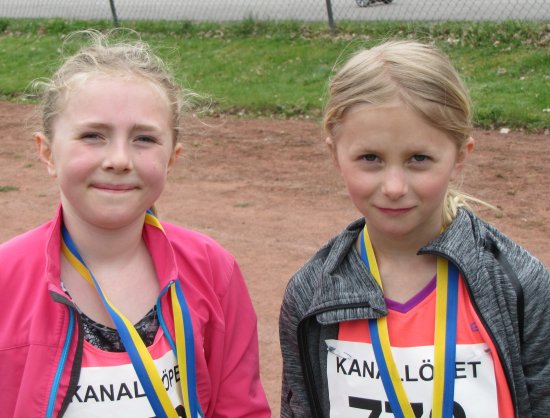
<point>460,243</point>
<point>53,253</point>
<point>347,290</point>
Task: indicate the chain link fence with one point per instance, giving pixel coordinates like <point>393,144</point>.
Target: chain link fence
<point>304,10</point>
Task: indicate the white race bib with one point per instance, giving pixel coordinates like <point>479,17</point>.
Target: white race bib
<point>356,389</point>
<point>115,391</point>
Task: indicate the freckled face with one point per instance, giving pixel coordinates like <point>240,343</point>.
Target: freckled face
<point>111,150</point>
<point>396,168</point>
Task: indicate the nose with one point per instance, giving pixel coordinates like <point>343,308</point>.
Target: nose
<point>118,156</point>
<point>394,184</point>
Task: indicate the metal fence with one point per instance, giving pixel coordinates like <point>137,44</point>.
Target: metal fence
<point>304,10</point>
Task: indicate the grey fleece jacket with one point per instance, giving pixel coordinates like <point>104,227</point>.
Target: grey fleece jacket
<point>335,286</point>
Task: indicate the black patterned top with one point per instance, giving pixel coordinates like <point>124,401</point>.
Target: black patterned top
<point>108,339</point>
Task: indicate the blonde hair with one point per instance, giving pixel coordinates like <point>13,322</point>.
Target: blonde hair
<point>420,76</point>
<point>104,55</point>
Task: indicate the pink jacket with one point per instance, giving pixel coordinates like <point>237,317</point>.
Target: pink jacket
<point>41,337</point>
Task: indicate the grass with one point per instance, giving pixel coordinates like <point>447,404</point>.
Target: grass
<point>254,68</point>
<point>4,189</point>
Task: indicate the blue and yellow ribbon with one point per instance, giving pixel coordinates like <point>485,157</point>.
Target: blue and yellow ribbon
<point>140,357</point>
<point>444,341</point>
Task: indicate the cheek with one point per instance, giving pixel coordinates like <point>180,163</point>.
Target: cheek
<point>433,187</point>
<point>74,166</point>
<point>155,169</point>
<point>360,185</point>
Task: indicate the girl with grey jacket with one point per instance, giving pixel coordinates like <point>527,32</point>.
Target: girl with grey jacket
<point>418,309</point>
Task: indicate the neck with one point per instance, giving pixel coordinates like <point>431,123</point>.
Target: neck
<point>102,245</point>
<point>402,271</point>
<point>121,264</point>
<point>400,246</point>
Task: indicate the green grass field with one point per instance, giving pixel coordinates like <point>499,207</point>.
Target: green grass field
<point>281,69</point>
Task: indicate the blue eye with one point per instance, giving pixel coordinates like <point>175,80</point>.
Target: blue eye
<point>90,136</point>
<point>420,158</point>
<point>369,157</point>
<point>146,139</point>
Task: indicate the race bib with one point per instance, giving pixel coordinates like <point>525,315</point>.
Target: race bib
<point>115,391</point>
<point>356,389</point>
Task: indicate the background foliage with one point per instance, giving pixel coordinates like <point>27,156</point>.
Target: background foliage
<point>280,69</point>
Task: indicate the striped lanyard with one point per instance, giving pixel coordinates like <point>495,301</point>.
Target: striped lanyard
<point>444,341</point>
<point>140,357</point>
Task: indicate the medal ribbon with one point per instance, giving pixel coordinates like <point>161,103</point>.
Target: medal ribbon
<point>140,357</point>
<point>444,341</point>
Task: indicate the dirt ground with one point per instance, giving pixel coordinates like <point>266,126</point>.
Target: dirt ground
<point>267,191</point>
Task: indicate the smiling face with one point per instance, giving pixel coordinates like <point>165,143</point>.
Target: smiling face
<point>111,150</point>
<point>397,169</point>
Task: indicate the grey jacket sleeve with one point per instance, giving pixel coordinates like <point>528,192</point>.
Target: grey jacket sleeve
<point>535,353</point>
<point>525,346</point>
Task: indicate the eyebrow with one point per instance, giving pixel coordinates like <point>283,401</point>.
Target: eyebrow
<point>106,126</point>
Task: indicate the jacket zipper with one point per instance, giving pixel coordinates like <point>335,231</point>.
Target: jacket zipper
<point>61,365</point>
<point>316,409</point>
<point>74,321</point>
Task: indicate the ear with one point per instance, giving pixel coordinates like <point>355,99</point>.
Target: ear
<point>332,150</point>
<point>175,155</point>
<point>463,155</point>
<point>44,151</point>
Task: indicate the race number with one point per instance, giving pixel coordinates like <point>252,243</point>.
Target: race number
<point>356,390</point>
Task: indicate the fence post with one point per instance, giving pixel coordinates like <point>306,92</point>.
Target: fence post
<point>113,12</point>
<point>330,17</point>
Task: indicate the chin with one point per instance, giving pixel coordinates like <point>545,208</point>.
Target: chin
<point>114,221</point>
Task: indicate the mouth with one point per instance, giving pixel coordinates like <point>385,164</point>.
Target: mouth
<point>114,188</point>
<point>395,211</point>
